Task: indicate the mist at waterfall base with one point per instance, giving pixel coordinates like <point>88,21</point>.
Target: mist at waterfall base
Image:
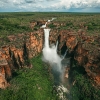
<point>50,56</point>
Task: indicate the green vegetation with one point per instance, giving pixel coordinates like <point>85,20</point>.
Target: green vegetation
<point>83,88</point>
<point>14,23</point>
<point>51,26</point>
<point>30,84</point>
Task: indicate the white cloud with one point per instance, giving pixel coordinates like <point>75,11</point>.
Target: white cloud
<point>76,3</point>
<point>44,5</point>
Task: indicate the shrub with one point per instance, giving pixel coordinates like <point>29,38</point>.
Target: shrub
<point>83,89</point>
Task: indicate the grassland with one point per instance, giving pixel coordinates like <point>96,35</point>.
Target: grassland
<point>13,23</point>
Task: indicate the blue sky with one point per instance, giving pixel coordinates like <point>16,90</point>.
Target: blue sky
<point>50,5</point>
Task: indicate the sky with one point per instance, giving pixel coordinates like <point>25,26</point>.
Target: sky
<point>49,5</point>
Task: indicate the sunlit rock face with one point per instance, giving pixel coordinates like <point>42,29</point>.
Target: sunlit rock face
<point>4,61</point>
<point>33,24</point>
<point>35,43</point>
<point>3,82</point>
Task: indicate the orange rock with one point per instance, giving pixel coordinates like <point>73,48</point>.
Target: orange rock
<point>3,82</point>
<point>33,24</point>
<point>97,80</point>
<point>71,42</point>
<point>67,72</point>
<point>20,53</point>
<point>12,38</point>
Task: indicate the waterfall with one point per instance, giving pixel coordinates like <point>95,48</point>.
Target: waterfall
<point>56,45</point>
<point>64,54</point>
<point>46,36</point>
<point>50,56</point>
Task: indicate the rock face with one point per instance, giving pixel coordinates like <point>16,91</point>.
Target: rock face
<point>35,43</point>
<point>86,51</point>
<point>3,82</point>
<point>22,47</point>
<point>17,53</point>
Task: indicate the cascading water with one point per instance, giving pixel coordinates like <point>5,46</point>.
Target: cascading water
<point>64,54</point>
<point>50,56</point>
<point>56,45</point>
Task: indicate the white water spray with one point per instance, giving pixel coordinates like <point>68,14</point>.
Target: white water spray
<point>56,45</point>
<point>44,26</point>
<point>50,54</point>
<point>51,19</point>
<point>64,54</point>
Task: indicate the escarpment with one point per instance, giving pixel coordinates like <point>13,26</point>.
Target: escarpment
<point>82,48</point>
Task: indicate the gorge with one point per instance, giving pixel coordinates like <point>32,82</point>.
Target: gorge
<point>83,53</point>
